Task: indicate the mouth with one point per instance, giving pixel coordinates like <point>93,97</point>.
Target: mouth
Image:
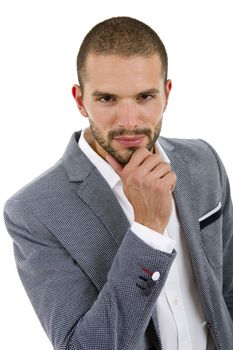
<point>129,141</point>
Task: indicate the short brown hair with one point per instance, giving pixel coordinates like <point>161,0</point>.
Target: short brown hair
<point>123,36</point>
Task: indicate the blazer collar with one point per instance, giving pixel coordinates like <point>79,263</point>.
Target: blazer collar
<point>80,169</point>
<point>77,165</point>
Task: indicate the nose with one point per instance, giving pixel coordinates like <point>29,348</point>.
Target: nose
<point>127,116</point>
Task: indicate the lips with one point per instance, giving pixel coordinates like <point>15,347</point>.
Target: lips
<point>129,141</point>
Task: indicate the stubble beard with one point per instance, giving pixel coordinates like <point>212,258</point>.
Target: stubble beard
<point>106,143</point>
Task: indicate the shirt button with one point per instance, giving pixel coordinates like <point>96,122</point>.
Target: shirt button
<point>155,276</point>
<point>175,301</point>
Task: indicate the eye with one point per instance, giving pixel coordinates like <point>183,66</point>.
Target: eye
<point>146,97</point>
<point>106,98</point>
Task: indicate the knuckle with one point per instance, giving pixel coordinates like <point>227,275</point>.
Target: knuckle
<point>169,167</point>
<point>136,179</point>
<point>162,169</point>
<point>166,167</point>
<point>142,152</point>
<point>139,155</point>
<point>158,185</point>
<point>157,158</point>
<point>147,185</point>
<point>174,177</point>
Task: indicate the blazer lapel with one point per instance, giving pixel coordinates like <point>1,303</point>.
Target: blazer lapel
<point>97,194</point>
<point>184,197</point>
<point>186,202</point>
<point>100,225</point>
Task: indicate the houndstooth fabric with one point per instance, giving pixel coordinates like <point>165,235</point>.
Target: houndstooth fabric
<point>84,270</point>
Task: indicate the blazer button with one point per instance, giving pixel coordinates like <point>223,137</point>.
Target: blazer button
<point>155,276</point>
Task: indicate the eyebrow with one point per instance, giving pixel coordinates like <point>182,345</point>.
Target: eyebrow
<point>98,93</point>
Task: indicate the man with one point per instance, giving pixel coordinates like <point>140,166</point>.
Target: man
<point>126,242</point>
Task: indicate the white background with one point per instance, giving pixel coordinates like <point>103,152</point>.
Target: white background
<point>39,43</point>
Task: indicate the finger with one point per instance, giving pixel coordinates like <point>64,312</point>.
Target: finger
<point>170,180</point>
<point>114,164</point>
<point>154,164</point>
<point>165,183</point>
<point>172,188</point>
<point>140,156</point>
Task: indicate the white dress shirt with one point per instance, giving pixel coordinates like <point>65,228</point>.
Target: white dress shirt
<point>180,314</point>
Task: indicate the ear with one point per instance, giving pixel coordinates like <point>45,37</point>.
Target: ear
<point>168,87</point>
<point>77,94</point>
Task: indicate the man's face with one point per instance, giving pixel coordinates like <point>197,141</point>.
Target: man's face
<point>124,99</point>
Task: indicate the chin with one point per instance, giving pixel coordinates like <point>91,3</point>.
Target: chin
<point>124,157</point>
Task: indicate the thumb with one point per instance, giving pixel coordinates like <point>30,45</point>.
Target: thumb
<point>114,164</point>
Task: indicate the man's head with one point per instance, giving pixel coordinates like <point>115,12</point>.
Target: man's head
<point>122,71</point>
<point>121,36</point>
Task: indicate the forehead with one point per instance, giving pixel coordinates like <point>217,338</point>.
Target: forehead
<point>111,71</point>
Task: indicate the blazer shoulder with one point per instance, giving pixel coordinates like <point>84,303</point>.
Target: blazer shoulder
<point>197,152</point>
<point>43,188</point>
<point>204,161</point>
<point>194,150</point>
<point>187,145</point>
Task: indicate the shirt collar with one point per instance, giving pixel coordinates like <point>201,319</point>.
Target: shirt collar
<point>103,167</point>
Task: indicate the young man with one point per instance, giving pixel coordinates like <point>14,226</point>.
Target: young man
<point>126,242</point>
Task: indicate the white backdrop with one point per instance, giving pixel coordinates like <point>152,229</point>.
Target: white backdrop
<point>39,43</point>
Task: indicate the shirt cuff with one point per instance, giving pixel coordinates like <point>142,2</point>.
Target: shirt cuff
<point>154,239</point>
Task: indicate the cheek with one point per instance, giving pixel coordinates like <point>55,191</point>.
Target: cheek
<point>152,114</point>
<point>103,117</point>
<point>102,122</point>
<point>157,108</point>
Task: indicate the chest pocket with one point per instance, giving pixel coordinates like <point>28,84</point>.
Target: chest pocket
<point>211,235</point>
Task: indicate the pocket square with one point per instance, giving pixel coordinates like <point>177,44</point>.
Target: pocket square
<point>211,216</point>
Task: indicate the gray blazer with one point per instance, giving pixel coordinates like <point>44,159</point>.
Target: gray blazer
<point>88,276</point>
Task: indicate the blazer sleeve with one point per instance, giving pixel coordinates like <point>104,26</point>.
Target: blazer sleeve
<point>227,212</point>
<point>227,236</point>
<point>74,314</point>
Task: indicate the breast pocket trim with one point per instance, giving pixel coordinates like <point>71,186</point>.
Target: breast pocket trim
<point>211,216</point>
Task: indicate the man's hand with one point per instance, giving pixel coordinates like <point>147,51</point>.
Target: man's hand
<point>148,183</point>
